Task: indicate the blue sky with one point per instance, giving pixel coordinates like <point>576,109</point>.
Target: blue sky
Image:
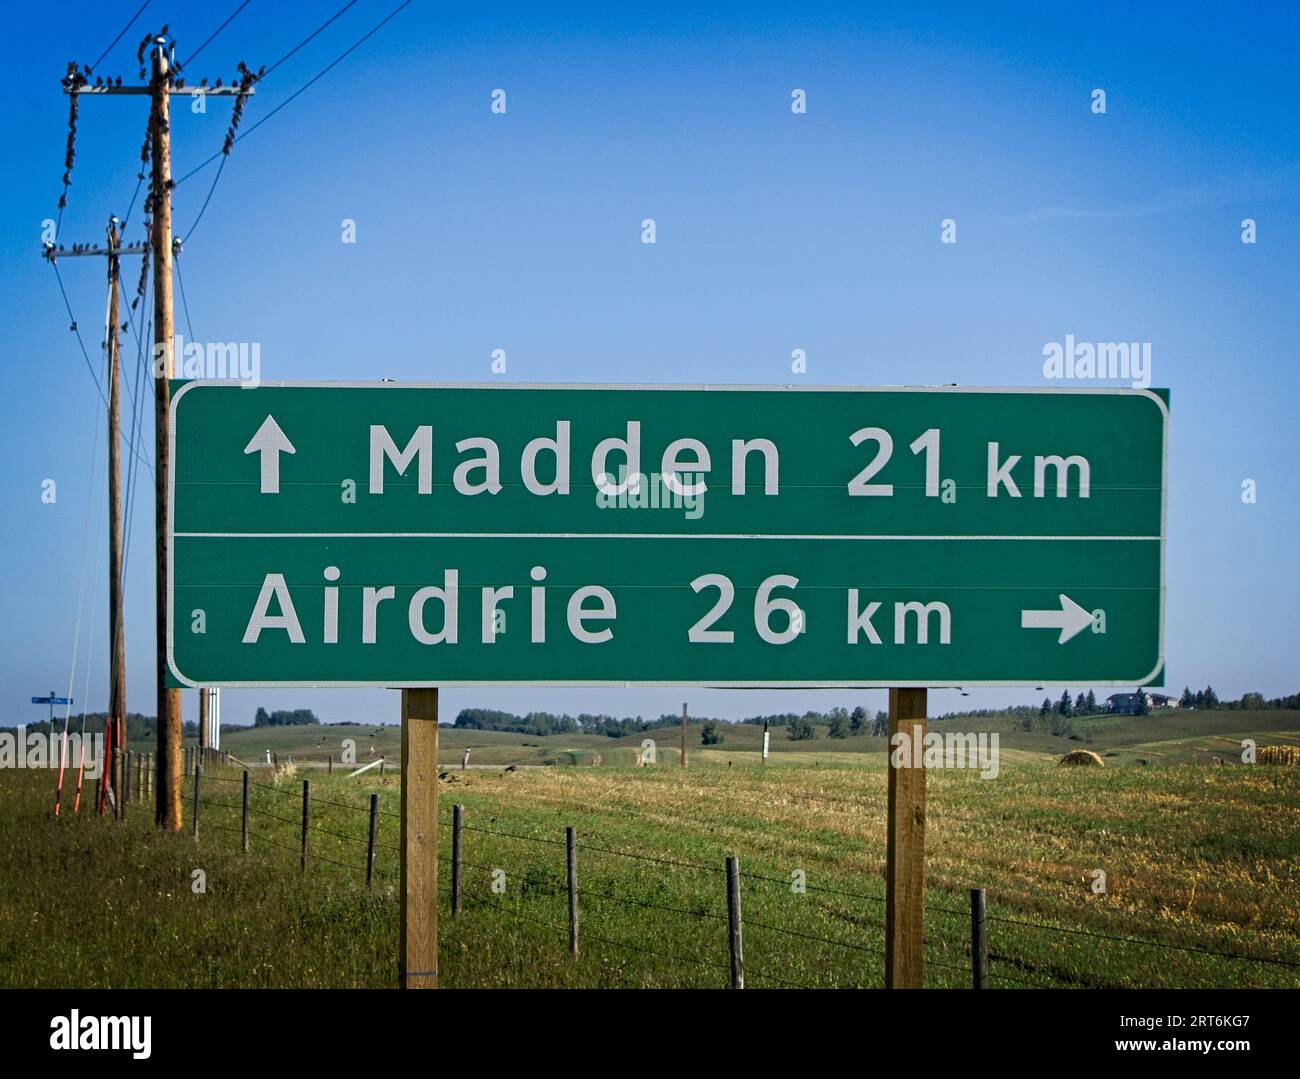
<point>775,231</point>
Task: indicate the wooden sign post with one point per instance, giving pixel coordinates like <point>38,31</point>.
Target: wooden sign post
<point>417,952</point>
<point>905,851</point>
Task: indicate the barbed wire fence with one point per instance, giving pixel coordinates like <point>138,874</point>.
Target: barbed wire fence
<point>792,933</point>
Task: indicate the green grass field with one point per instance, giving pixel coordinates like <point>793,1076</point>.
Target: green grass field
<point>1202,864</point>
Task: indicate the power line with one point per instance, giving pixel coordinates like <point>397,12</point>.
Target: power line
<point>185,303</point>
<point>309,37</point>
<point>203,209</point>
<point>212,36</point>
<point>305,86</point>
<point>73,320</point>
<point>124,29</point>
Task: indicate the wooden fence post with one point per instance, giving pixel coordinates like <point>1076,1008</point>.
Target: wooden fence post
<point>457,824</point>
<point>244,823</point>
<point>197,773</point>
<point>905,841</point>
<point>734,923</point>
<point>370,846</point>
<point>330,770</point>
<point>571,843</point>
<point>126,779</point>
<point>684,723</point>
<point>979,944</point>
<point>306,813</point>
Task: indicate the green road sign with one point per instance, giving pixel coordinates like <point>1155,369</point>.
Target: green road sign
<point>393,535</point>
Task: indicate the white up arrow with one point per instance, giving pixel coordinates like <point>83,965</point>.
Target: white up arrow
<point>1070,619</point>
<point>270,442</point>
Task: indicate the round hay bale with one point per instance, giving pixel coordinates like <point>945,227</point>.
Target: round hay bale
<point>1279,755</point>
<point>1083,757</point>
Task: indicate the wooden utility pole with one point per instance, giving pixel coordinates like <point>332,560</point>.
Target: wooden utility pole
<point>905,851</point>
<point>167,789</point>
<point>417,954</point>
<point>683,734</point>
<point>204,736</point>
<point>116,642</point>
<point>168,806</point>
<point>115,726</point>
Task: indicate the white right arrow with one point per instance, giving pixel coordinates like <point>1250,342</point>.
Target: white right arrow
<point>1070,619</point>
<point>270,442</point>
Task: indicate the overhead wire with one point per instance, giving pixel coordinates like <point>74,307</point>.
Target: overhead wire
<point>307,85</point>
<point>212,36</point>
<point>112,44</point>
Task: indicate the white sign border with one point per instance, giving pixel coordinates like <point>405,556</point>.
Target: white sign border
<point>1116,391</point>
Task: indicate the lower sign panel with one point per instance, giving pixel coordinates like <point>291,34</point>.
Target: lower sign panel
<point>717,611</point>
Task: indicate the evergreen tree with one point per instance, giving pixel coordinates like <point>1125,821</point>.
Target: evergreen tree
<point>1064,706</point>
<point>1211,698</point>
<point>839,723</point>
<point>858,720</point>
<point>1091,702</point>
<point>1187,700</point>
<point>1081,704</point>
<point>1047,707</point>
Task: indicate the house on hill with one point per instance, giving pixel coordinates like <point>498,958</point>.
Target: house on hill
<point>1126,704</point>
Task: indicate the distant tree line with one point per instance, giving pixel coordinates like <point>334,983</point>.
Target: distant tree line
<point>838,722</point>
<point>138,727</point>
<point>1050,717</point>
<point>1247,702</point>
<point>298,717</point>
<point>547,723</point>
